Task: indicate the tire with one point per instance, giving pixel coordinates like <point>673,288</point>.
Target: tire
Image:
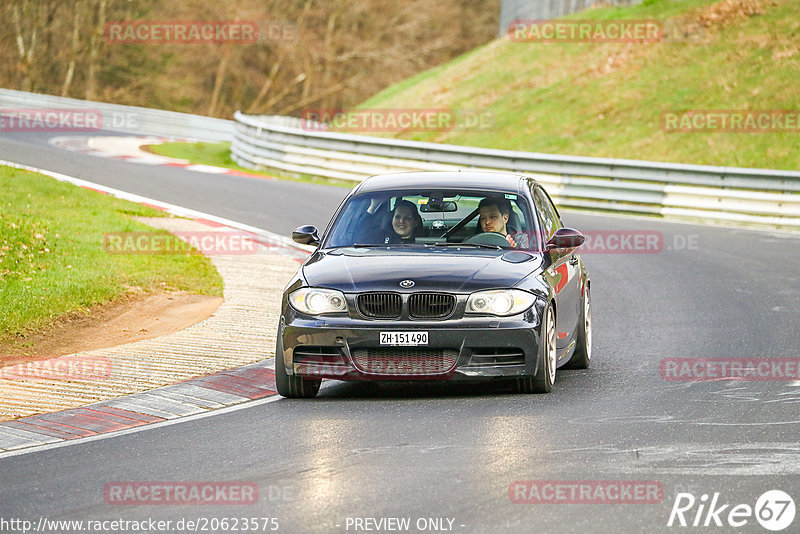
<point>582,356</point>
<point>293,387</point>
<point>546,362</point>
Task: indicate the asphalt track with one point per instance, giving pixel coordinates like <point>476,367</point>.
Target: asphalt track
<point>429,451</point>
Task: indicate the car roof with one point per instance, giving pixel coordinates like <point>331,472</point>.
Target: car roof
<point>492,181</point>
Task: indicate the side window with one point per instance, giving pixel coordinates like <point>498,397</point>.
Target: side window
<point>547,213</point>
<point>519,217</point>
<point>358,222</point>
<point>525,237</point>
<point>553,209</point>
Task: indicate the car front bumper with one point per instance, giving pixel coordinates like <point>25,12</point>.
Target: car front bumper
<point>471,348</point>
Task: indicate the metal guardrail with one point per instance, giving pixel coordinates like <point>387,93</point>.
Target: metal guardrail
<point>759,197</point>
<point>511,10</point>
<point>129,119</point>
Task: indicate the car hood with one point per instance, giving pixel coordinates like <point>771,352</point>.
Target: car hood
<point>352,270</point>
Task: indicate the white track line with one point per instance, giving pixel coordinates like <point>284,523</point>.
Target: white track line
<point>150,426</point>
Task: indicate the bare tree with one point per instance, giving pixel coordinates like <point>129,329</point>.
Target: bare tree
<point>95,42</point>
<point>74,49</point>
<point>219,79</point>
<point>334,54</point>
<point>26,38</point>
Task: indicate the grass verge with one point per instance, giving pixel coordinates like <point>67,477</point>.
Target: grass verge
<point>52,258</point>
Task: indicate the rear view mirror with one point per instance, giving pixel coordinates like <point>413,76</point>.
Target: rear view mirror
<point>565,238</point>
<point>444,205</point>
<point>306,235</point>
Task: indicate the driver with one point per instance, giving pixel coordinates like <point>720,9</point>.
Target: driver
<point>494,213</point>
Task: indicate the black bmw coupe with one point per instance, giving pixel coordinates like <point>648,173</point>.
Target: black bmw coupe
<point>437,276</point>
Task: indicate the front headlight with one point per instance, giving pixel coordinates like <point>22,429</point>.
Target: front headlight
<point>317,301</point>
<point>500,302</point>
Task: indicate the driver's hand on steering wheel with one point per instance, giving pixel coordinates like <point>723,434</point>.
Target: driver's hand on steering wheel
<point>511,240</point>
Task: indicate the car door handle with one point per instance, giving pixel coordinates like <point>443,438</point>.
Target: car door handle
<point>573,260</point>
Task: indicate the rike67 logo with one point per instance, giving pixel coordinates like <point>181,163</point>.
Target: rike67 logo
<point>774,510</point>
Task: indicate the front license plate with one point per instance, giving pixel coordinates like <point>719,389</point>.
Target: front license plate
<point>404,339</point>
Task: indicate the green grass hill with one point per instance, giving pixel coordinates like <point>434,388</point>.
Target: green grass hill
<point>608,99</point>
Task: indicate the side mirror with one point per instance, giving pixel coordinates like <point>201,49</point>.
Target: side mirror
<point>306,235</point>
<point>565,238</point>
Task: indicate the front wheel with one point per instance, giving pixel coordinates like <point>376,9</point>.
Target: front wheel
<point>293,387</point>
<point>546,362</point>
<point>583,352</point>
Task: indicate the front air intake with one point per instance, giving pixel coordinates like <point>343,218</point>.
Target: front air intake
<point>431,305</point>
<point>380,305</point>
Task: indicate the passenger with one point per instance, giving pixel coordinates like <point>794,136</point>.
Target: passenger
<point>494,214</point>
<point>406,224</point>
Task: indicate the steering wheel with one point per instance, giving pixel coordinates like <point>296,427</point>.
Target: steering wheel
<point>488,238</point>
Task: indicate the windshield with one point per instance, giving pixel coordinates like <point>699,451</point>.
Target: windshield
<point>435,218</point>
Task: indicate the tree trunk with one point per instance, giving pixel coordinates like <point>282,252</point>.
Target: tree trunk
<point>95,39</point>
<point>76,45</point>
<point>268,83</point>
<point>25,50</point>
<point>219,79</point>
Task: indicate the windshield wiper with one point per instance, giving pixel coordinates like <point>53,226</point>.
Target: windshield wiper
<point>426,245</point>
<point>379,245</point>
<point>357,245</point>
<point>478,245</point>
